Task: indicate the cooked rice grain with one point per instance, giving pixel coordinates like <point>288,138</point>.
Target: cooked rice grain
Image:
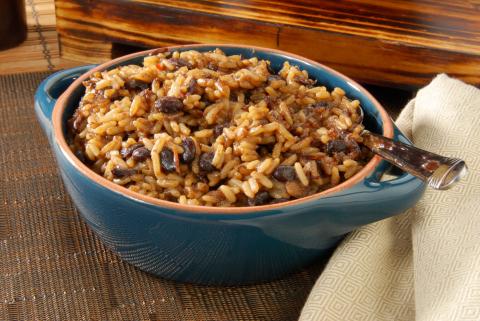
<point>217,130</point>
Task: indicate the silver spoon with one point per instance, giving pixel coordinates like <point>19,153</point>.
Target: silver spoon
<point>439,172</point>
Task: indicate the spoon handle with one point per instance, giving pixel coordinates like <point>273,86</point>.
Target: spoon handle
<point>438,171</point>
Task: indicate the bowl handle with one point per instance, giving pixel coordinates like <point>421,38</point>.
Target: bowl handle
<point>392,196</point>
<point>376,175</point>
<point>50,90</point>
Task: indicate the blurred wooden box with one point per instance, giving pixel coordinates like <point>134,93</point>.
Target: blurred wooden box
<point>399,43</point>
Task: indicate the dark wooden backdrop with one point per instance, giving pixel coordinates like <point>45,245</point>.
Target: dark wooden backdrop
<point>395,42</point>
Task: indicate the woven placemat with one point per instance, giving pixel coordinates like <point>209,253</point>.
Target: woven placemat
<point>53,268</point>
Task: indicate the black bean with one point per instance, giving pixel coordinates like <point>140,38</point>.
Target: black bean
<point>189,150</point>
<point>167,160</point>
<point>169,105</point>
<point>140,154</point>
<point>136,84</point>
<point>205,162</point>
<point>126,152</point>
<point>304,81</point>
<point>322,104</point>
<point>274,77</point>
<point>192,87</point>
<point>212,66</point>
<point>279,200</point>
<point>336,146</point>
<point>123,172</point>
<point>285,173</point>
<point>179,62</point>
<point>218,129</point>
<point>259,199</point>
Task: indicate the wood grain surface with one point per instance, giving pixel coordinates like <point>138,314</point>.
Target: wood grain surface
<point>40,51</point>
<point>395,42</point>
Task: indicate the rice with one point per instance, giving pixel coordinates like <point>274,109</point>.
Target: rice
<point>216,130</point>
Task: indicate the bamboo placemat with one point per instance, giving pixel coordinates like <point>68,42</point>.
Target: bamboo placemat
<point>40,51</point>
<point>53,268</point>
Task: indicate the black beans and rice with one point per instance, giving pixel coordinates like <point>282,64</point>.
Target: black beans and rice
<point>216,130</point>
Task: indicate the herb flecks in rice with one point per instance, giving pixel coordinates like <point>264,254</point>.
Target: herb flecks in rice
<point>210,129</point>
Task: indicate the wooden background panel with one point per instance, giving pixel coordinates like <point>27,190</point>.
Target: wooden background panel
<point>380,62</point>
<point>149,24</point>
<point>438,24</point>
<point>389,43</point>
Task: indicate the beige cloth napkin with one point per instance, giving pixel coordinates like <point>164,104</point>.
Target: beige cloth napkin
<point>425,263</point>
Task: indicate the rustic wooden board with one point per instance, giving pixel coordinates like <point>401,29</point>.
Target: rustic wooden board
<point>396,42</point>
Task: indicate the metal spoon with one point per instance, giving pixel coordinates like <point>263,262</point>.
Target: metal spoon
<point>439,172</point>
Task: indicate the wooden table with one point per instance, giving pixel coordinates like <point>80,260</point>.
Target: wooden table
<point>394,43</point>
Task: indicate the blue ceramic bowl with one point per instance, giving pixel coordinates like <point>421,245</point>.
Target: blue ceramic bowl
<point>223,245</point>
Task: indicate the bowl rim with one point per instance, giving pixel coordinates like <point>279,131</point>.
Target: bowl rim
<point>60,140</point>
